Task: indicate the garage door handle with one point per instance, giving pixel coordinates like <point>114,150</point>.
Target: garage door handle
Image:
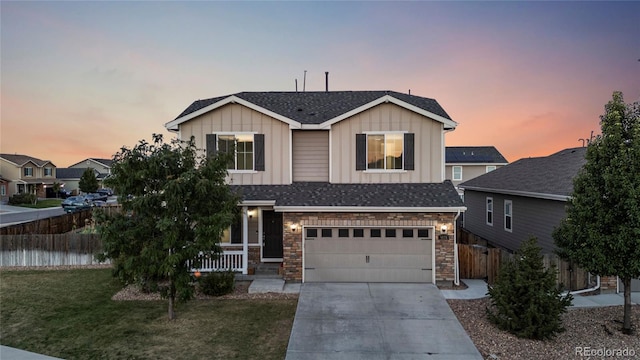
<point>366,259</point>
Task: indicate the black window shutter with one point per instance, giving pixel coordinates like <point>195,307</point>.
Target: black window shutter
<point>361,151</point>
<point>258,145</point>
<point>211,144</point>
<point>409,152</point>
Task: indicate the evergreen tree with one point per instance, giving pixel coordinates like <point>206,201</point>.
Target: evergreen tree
<point>88,181</point>
<point>525,299</point>
<point>602,230</point>
<point>175,205</point>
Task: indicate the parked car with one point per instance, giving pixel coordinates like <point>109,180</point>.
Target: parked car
<point>76,203</point>
<point>61,194</point>
<point>105,191</point>
<point>95,196</point>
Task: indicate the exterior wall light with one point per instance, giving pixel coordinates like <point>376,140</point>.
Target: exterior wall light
<point>443,229</point>
<point>294,227</point>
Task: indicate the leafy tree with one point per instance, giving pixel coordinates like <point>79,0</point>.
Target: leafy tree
<point>525,299</point>
<point>56,188</point>
<point>601,232</point>
<point>88,181</point>
<point>175,205</point>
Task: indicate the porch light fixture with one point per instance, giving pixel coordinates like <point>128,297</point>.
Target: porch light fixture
<point>294,227</point>
<point>251,213</point>
<point>443,229</point>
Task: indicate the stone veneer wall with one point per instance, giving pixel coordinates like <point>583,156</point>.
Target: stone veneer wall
<point>292,240</point>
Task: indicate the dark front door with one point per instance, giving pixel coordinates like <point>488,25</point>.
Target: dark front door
<point>272,234</point>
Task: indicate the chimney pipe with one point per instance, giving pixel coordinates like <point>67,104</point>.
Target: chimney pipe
<point>326,81</point>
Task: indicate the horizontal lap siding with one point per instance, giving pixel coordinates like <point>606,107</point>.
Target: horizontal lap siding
<point>531,217</point>
<point>311,156</point>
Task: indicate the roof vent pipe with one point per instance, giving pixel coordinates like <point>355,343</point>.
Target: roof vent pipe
<point>326,81</point>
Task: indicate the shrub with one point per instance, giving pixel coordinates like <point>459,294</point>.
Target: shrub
<point>217,283</point>
<point>525,299</point>
<point>24,198</point>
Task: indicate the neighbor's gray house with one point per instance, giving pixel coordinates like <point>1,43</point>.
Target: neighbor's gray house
<point>335,186</point>
<point>25,174</point>
<point>70,176</point>
<point>467,162</point>
<point>523,199</point>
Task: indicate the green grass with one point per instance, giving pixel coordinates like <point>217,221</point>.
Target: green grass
<point>69,314</point>
<point>41,204</point>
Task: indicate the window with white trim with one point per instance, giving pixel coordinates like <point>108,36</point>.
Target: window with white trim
<point>490,168</point>
<point>3,190</point>
<point>508,215</point>
<point>489,211</point>
<point>48,171</point>
<point>456,173</point>
<point>27,171</point>
<point>243,144</point>
<point>384,151</point>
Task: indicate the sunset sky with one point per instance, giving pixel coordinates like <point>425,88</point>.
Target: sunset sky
<point>82,79</point>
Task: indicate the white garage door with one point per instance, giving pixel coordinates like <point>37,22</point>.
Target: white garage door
<point>635,285</point>
<point>368,254</point>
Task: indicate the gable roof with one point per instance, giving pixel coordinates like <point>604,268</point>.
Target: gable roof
<point>20,160</point>
<point>548,177</point>
<point>473,155</point>
<point>104,162</point>
<point>72,173</point>
<point>315,108</point>
<point>320,196</point>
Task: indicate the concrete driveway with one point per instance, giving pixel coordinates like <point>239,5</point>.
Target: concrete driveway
<point>376,321</point>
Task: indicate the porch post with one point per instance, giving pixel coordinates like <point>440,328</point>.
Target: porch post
<point>245,241</point>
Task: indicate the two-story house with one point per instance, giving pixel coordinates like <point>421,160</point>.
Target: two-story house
<point>467,162</point>
<point>25,174</point>
<point>71,176</point>
<point>336,186</point>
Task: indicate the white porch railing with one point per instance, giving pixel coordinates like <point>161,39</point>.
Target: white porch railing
<point>229,259</point>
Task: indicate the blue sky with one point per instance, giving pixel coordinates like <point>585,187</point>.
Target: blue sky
<point>82,79</point>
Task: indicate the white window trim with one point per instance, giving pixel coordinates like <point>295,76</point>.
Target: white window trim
<point>3,190</point>
<point>253,155</point>
<point>487,211</point>
<point>453,173</point>
<point>50,171</point>
<point>490,166</point>
<point>24,171</point>
<point>510,203</point>
<point>385,133</point>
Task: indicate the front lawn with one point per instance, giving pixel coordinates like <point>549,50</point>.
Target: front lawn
<point>69,314</point>
<point>41,204</point>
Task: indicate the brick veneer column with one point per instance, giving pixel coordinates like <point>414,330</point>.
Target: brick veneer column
<point>608,284</point>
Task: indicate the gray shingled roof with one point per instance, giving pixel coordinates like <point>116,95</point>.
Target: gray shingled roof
<point>473,154</point>
<point>105,162</point>
<point>23,159</point>
<point>316,107</point>
<point>549,175</point>
<point>355,195</point>
<point>71,173</point>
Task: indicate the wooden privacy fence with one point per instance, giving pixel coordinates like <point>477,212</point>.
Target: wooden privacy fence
<point>480,262</point>
<point>49,249</point>
<point>53,225</point>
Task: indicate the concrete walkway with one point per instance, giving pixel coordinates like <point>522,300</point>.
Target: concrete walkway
<point>9,353</point>
<point>376,321</point>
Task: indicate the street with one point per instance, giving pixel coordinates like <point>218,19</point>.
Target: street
<point>25,214</point>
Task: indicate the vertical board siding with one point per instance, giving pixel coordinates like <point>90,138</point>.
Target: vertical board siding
<point>531,217</point>
<point>237,118</point>
<point>310,156</point>
<point>49,249</point>
<point>428,148</point>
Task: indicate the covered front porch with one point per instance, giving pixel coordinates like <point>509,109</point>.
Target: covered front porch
<point>253,244</point>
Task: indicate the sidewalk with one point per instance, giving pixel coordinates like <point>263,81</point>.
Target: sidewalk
<point>477,289</point>
<point>12,209</point>
<point>9,353</point>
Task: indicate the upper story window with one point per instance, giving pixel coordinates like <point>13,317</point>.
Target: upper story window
<point>249,149</point>
<point>456,173</point>
<point>48,171</point>
<point>27,171</point>
<point>489,211</point>
<point>391,151</point>
<point>508,215</point>
<point>490,168</point>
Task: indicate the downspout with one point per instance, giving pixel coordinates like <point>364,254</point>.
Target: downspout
<point>456,278</point>
<point>589,289</point>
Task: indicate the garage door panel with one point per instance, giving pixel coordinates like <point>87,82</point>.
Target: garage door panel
<point>367,259</point>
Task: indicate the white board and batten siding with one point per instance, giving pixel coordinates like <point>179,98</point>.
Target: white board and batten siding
<point>235,118</point>
<point>310,155</point>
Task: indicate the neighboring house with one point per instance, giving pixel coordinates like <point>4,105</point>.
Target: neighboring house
<point>467,162</point>
<point>4,189</point>
<point>70,178</point>
<point>335,186</point>
<point>102,166</point>
<point>523,199</point>
<point>26,174</point>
